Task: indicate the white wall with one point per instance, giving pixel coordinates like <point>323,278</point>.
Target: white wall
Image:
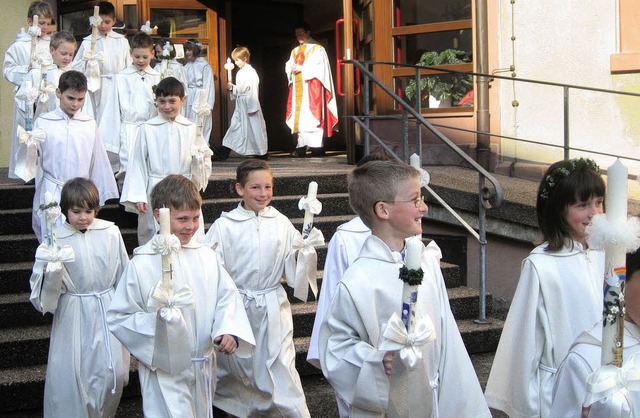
<point>565,41</point>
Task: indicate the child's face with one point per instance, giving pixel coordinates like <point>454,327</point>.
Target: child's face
<point>63,54</point>
<point>71,100</point>
<point>169,106</point>
<point>188,54</point>
<point>45,24</point>
<point>578,215</point>
<point>184,223</point>
<point>240,62</point>
<point>80,218</point>
<point>107,23</point>
<point>257,192</point>
<point>141,57</point>
<point>158,50</point>
<point>406,211</point>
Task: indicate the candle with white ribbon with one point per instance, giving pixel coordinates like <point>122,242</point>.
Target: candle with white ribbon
<point>28,106</point>
<point>412,261</point>
<point>615,265</point>
<point>165,230</point>
<point>229,67</point>
<point>307,224</point>
<point>94,28</point>
<point>34,31</point>
<point>48,200</point>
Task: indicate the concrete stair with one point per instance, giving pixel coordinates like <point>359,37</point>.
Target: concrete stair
<point>24,332</point>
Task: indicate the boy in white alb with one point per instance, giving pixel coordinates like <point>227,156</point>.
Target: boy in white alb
<point>257,245</point>
<point>73,148</point>
<point>584,356</point>
<point>112,50</point>
<point>373,380</point>
<point>176,339</point>
<point>132,103</point>
<point>166,144</point>
<point>18,62</point>
<point>87,365</point>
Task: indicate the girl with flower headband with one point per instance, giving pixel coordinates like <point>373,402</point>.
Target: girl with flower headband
<point>558,296</point>
<point>199,75</point>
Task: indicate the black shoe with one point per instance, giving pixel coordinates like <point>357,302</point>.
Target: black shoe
<point>300,152</point>
<point>217,157</point>
<point>318,152</point>
<point>220,154</point>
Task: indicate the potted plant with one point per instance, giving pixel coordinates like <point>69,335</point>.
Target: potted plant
<point>441,87</point>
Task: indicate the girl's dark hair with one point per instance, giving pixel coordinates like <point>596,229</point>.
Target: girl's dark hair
<point>195,46</point>
<point>565,183</point>
<point>80,192</point>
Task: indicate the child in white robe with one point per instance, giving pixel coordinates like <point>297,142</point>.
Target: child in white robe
<point>167,65</point>
<point>112,50</point>
<point>17,64</point>
<point>132,103</point>
<point>559,294</point>
<point>73,148</point>
<point>375,381</point>
<point>247,133</point>
<point>199,76</point>
<point>585,353</point>
<point>166,144</point>
<point>176,339</point>
<point>256,243</point>
<point>87,365</point>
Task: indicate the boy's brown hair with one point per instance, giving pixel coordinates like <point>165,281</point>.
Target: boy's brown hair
<point>80,192</point>
<point>242,53</point>
<point>62,37</point>
<point>176,192</point>
<point>376,181</point>
<point>106,8</point>
<point>169,86</point>
<point>142,40</point>
<point>72,80</point>
<point>247,167</point>
<point>40,8</point>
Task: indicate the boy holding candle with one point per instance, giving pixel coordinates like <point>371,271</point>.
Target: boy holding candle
<point>73,148</point>
<point>109,52</point>
<point>74,277</point>
<point>429,377</point>
<point>584,356</point>
<point>259,247</point>
<point>176,333</point>
<point>20,58</point>
<point>166,144</point>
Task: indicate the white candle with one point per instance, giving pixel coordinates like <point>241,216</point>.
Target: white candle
<point>413,261</point>
<point>307,224</point>
<point>413,254</point>
<point>48,199</point>
<point>94,29</point>
<point>615,253</point>
<point>414,160</point>
<point>202,97</point>
<point>34,38</point>
<point>165,229</point>
<point>229,67</point>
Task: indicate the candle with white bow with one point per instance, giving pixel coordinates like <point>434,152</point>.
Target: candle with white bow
<point>307,224</point>
<point>34,31</point>
<point>166,56</point>
<point>28,106</point>
<point>94,28</point>
<point>615,265</point>
<point>229,67</point>
<point>413,276</point>
<point>165,231</point>
<point>49,219</point>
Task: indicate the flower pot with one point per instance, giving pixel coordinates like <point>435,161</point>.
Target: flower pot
<point>435,103</point>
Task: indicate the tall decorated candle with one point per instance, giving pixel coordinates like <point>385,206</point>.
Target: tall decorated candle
<point>94,21</point>
<point>34,31</point>
<point>165,231</point>
<point>229,67</point>
<point>307,224</point>
<point>411,274</point>
<point>615,265</point>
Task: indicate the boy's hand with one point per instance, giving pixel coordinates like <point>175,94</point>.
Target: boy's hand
<point>225,344</point>
<point>142,207</point>
<point>229,86</point>
<point>387,360</point>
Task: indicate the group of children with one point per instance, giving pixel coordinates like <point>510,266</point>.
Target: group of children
<point>226,294</point>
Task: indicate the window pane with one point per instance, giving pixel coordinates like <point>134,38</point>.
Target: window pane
<point>443,90</point>
<point>411,47</point>
<point>131,16</point>
<point>412,12</point>
<point>77,22</point>
<point>174,23</point>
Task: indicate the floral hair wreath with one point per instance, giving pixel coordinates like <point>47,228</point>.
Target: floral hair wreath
<point>560,173</point>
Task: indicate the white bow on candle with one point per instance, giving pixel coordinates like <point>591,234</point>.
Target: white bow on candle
<point>166,244</point>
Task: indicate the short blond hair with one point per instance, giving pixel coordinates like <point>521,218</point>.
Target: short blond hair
<point>376,181</point>
<point>241,52</point>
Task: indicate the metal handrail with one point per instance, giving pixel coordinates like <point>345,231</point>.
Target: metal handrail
<point>487,198</point>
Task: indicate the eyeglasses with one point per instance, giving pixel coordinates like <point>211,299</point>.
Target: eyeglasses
<point>418,201</point>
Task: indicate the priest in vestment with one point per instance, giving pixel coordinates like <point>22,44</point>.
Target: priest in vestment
<point>311,106</point>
